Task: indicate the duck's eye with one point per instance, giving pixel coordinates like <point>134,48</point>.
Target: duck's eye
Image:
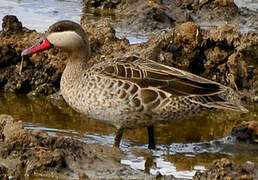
<point>59,29</point>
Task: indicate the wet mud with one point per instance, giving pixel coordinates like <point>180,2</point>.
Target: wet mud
<point>246,131</point>
<point>36,154</point>
<point>148,17</point>
<point>227,169</point>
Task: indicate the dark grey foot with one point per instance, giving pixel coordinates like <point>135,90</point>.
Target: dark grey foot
<point>151,137</point>
<point>118,137</point>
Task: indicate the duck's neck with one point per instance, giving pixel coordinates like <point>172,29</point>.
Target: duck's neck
<point>79,57</point>
<point>78,60</point>
<point>77,64</point>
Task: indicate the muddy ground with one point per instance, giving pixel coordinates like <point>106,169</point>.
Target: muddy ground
<point>34,153</point>
<point>148,17</point>
<point>221,53</point>
<point>246,131</point>
<point>227,169</point>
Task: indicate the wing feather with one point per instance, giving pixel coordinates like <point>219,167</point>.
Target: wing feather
<point>159,82</point>
<point>171,80</point>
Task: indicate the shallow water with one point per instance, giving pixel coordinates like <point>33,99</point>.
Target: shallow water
<point>250,4</point>
<point>183,146</point>
<point>40,14</point>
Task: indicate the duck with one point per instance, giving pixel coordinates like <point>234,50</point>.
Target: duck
<point>129,91</point>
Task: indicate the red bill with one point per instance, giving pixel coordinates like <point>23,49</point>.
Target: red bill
<point>41,46</point>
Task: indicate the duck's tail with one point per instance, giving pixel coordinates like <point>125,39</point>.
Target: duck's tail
<point>227,106</point>
<point>226,99</point>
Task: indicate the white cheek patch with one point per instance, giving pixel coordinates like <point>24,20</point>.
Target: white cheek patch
<point>68,39</point>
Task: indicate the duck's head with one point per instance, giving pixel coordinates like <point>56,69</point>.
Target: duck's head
<point>63,34</point>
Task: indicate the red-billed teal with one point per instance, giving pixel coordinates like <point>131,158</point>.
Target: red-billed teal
<point>130,92</point>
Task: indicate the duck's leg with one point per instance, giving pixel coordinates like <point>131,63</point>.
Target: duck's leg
<point>118,137</point>
<point>151,137</point>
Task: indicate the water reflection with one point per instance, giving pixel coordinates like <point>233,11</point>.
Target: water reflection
<point>185,161</point>
<point>183,146</point>
<point>55,113</point>
<point>48,112</point>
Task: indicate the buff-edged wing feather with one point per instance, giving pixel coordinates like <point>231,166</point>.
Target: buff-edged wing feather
<point>164,81</point>
<point>171,80</point>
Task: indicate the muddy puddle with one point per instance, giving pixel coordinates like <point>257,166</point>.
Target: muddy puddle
<point>183,146</point>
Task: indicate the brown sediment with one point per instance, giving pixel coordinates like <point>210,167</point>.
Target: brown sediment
<point>246,131</point>
<point>36,154</point>
<point>227,169</point>
<point>148,17</point>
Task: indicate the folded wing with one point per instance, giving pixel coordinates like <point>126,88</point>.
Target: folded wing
<point>171,81</point>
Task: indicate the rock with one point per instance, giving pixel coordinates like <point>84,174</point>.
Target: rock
<point>139,16</point>
<point>112,4</point>
<point>31,147</point>
<point>102,38</point>
<point>146,17</point>
<point>33,153</point>
<point>246,131</point>
<point>9,173</point>
<point>11,130</point>
<point>198,4</point>
<point>218,54</point>
<point>11,25</point>
<point>210,10</point>
<point>46,72</point>
<point>227,169</point>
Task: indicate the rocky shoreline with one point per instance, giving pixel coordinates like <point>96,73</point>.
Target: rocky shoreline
<point>222,54</point>
<point>148,17</point>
